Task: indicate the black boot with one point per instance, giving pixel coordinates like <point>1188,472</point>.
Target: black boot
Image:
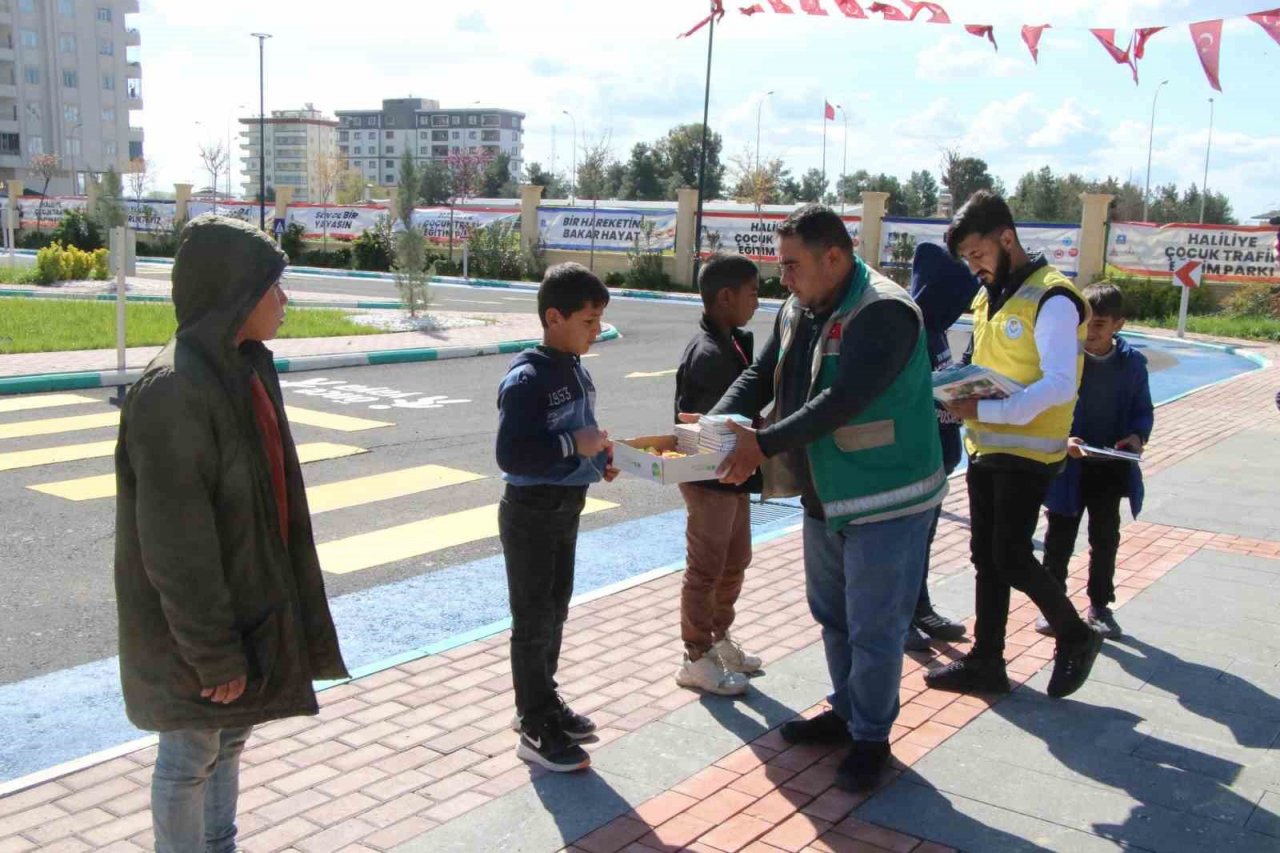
<point>827,727</point>
<point>864,766</point>
<point>970,675</point>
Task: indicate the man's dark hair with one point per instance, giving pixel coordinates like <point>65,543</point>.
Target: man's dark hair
<point>818,227</point>
<point>569,288</point>
<point>984,214</point>
<point>722,272</point>
<point>1106,300</point>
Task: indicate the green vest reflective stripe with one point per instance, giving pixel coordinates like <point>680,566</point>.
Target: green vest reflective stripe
<point>886,462</point>
<point>1006,343</point>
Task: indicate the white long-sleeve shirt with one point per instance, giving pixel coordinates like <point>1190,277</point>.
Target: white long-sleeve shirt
<point>1056,341</point>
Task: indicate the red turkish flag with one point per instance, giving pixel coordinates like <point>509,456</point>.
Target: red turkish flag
<point>983,31</point>
<point>780,7</point>
<point>937,14</point>
<point>1108,39</point>
<point>1208,38</point>
<point>717,12</point>
<point>751,10</point>
<point>850,8</point>
<point>830,112</point>
<point>812,7</point>
<point>891,13</point>
<point>1140,42</point>
<point>1031,36</point>
<point>1269,21</point>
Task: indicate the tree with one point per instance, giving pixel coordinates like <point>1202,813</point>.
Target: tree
<point>434,186</point>
<point>593,171</point>
<point>45,166</point>
<point>271,195</point>
<point>412,275</point>
<point>681,151</point>
<point>553,186</point>
<point>109,205</point>
<point>466,171</point>
<point>327,173</point>
<point>644,175</point>
<point>350,187</point>
<point>1038,197</point>
<point>756,185</point>
<point>615,176</point>
<point>813,185</point>
<point>495,181</point>
<point>407,191</point>
<point>139,178</point>
<point>851,187</point>
<point>920,193</point>
<point>963,176</point>
<point>214,157</point>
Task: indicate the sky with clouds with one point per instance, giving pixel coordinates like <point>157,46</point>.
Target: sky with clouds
<point>910,91</point>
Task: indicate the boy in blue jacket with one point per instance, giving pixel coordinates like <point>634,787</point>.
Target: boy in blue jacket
<point>550,449</point>
<point>1113,410</point>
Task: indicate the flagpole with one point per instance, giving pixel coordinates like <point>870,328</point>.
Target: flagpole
<point>702,157</point>
<point>844,163</point>
<point>824,151</point>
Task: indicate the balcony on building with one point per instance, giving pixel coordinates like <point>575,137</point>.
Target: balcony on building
<point>133,70</point>
<point>132,38</point>
<point>11,151</point>
<point>130,7</point>
<point>133,93</point>
<point>9,116</point>
<point>6,44</point>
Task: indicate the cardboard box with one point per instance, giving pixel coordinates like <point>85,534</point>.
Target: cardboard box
<point>629,457</point>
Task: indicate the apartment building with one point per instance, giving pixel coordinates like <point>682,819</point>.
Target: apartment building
<point>296,139</point>
<point>373,141</point>
<point>70,85</point>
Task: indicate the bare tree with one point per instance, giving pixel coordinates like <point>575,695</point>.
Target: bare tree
<point>466,172</point>
<point>327,174</point>
<point>46,166</point>
<point>139,178</point>
<point>757,183</point>
<point>215,158</point>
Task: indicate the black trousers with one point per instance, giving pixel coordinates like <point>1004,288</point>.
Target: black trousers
<point>1004,507</point>
<point>1102,486</point>
<point>538,526</point>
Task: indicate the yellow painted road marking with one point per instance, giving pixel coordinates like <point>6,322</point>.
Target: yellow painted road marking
<point>366,550</point>
<point>671,372</point>
<point>43,401</point>
<point>52,426</point>
<point>49,455</point>
<point>382,487</point>
<point>325,420</point>
<point>104,486</point>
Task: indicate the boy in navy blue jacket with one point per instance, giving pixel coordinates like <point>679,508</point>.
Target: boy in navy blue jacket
<point>1113,410</point>
<point>550,449</point>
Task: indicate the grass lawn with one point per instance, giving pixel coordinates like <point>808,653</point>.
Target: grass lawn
<point>20,273</point>
<point>52,325</point>
<point>1223,325</point>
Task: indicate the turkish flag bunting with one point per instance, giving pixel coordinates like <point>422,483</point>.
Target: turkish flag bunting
<point>1140,43</point>
<point>850,8</point>
<point>780,7</point>
<point>1208,38</point>
<point>983,31</point>
<point>1108,39</point>
<point>751,10</point>
<point>1269,21</point>
<point>717,12</point>
<point>937,14</point>
<point>830,113</point>
<point>812,7</point>
<point>1031,36</point>
<point>891,13</point>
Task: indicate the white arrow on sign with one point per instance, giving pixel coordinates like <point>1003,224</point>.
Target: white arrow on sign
<point>640,375</point>
<point>1189,274</point>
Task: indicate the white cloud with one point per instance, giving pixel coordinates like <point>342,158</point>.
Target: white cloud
<point>952,58</point>
<point>1059,126</point>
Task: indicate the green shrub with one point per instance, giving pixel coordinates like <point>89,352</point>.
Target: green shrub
<point>34,239</point>
<point>335,259</point>
<point>1254,300</point>
<point>615,279</point>
<point>101,272</point>
<point>494,252</point>
<point>644,261</point>
<point>291,242</point>
<point>79,231</point>
<point>49,264</point>
<point>1153,298</point>
<point>373,249</point>
<point>56,262</point>
<point>771,288</point>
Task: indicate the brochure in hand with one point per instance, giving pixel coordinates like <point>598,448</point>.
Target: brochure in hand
<point>1110,453</point>
<point>967,381</point>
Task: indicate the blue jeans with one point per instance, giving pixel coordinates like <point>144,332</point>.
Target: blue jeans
<point>862,584</point>
<point>194,789</point>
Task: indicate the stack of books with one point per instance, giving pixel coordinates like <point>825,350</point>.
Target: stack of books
<point>713,434</point>
<point>687,438</point>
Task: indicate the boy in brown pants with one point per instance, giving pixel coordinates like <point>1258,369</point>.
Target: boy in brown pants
<point>718,530</point>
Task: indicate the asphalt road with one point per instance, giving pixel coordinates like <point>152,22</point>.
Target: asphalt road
<point>58,607</point>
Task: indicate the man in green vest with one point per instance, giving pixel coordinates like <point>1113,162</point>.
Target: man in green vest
<point>849,428</point>
<point>1029,324</point>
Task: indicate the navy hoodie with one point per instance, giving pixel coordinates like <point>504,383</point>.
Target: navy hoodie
<point>545,397</point>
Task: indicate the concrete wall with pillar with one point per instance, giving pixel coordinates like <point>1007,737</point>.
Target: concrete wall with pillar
<point>181,195</point>
<point>530,197</point>
<point>874,205</point>
<point>686,234</point>
<point>284,197</point>
<point>11,208</point>
<point>1093,236</point>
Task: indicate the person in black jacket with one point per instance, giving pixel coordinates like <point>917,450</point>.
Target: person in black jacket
<point>718,530</point>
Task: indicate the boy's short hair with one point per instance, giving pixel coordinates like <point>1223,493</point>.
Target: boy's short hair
<point>984,214</point>
<point>1105,299</point>
<point>818,227</point>
<point>722,272</point>
<point>569,288</point>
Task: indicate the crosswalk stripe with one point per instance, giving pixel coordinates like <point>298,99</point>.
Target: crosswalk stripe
<point>325,420</point>
<point>104,485</point>
<point>43,401</point>
<point>49,455</point>
<point>404,541</point>
<point>53,426</point>
<point>382,487</point>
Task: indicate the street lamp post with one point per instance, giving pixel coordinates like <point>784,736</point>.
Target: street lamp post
<point>573,185</point>
<point>1208,146</point>
<point>844,161</point>
<point>1151,135</point>
<point>759,107</point>
<point>262,133</point>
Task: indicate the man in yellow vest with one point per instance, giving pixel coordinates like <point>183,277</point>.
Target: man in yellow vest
<point>1029,324</point>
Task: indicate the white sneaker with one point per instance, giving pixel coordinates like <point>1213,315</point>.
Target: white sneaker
<point>734,658</point>
<point>707,674</point>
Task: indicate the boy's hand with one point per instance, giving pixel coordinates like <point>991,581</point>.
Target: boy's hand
<point>590,441</point>
<point>225,694</point>
<point>610,473</point>
<point>966,409</point>
<point>1075,447</point>
<point>746,457</point>
<point>688,418</point>
<point>1133,444</point>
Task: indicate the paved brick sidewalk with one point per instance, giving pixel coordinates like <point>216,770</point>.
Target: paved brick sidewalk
<point>412,748</point>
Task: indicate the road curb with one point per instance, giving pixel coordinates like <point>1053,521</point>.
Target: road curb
<point>46,382</point>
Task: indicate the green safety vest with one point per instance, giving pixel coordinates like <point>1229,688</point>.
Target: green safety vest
<point>887,461</point>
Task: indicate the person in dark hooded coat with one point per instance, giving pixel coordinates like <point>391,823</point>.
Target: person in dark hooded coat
<point>223,619</point>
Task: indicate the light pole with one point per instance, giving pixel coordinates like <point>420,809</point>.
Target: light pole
<point>71,156</point>
<point>1204,187</point>
<point>1151,135</point>
<point>844,162</point>
<point>573,185</point>
<point>262,133</point>
<point>759,107</point>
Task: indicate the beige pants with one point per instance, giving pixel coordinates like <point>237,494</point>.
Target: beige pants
<point>718,536</point>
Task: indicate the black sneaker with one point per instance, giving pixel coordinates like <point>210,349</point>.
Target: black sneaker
<point>547,746</point>
<point>1102,620</point>
<point>970,675</point>
<point>1043,626</point>
<point>1072,663</point>
<point>938,626</point>
<point>915,641</point>
<point>827,727</point>
<point>575,725</point>
<point>864,766</point>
